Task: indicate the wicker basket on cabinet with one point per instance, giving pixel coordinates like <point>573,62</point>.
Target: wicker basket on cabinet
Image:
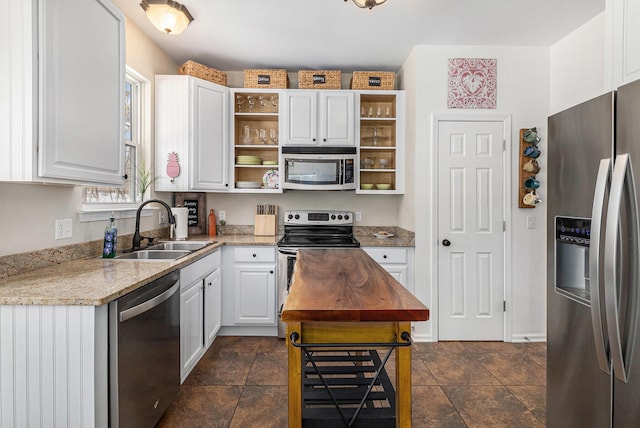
<point>373,80</point>
<point>195,69</point>
<point>319,79</point>
<point>266,78</point>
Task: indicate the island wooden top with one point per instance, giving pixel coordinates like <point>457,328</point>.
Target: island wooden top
<point>347,285</point>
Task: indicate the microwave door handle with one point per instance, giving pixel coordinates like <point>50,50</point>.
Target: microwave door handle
<point>622,174</point>
<point>594,262</point>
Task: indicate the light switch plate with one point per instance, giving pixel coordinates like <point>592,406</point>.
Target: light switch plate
<point>531,222</point>
<point>358,216</point>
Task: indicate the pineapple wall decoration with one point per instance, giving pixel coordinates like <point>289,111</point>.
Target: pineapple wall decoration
<point>173,167</point>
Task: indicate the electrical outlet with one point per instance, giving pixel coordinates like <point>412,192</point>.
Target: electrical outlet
<point>63,228</point>
<point>531,222</point>
<point>161,217</point>
<point>358,216</point>
<point>222,216</point>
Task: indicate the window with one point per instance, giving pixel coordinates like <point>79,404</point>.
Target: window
<point>135,167</point>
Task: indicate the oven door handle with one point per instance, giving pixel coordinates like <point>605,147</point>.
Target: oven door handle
<point>287,252</point>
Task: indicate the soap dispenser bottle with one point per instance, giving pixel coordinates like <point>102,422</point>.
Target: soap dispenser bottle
<point>110,239</point>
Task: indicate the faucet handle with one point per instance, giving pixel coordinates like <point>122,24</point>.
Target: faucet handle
<point>151,240</point>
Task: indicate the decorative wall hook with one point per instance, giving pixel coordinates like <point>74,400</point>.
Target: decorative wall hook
<point>173,166</point>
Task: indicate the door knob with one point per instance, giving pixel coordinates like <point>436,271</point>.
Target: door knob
<point>446,242</point>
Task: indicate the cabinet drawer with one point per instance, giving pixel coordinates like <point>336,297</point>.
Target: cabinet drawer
<point>199,269</point>
<point>388,255</point>
<point>254,254</point>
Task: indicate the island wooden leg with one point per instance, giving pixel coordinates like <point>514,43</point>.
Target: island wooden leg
<point>403,380</point>
<point>295,378</point>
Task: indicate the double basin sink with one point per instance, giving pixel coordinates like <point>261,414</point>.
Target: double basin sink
<point>171,250</point>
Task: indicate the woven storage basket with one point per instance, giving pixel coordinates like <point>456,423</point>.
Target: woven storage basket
<point>373,80</point>
<point>319,79</point>
<point>195,69</point>
<point>266,78</point>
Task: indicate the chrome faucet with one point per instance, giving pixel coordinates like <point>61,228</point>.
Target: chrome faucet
<point>136,235</point>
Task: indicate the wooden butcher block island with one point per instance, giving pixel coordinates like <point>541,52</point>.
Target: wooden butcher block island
<point>345,317</point>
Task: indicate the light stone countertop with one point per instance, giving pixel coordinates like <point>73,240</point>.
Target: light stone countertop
<point>96,281</point>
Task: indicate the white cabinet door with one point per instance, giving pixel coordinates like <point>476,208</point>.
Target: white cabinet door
<point>209,143</point>
<point>624,27</point>
<point>397,261</point>
<point>254,293</point>
<point>191,125</point>
<point>62,92</point>
<point>191,332</point>
<point>301,118</point>
<point>399,272</point>
<point>82,90</point>
<point>319,118</point>
<point>212,306</point>
<point>337,123</point>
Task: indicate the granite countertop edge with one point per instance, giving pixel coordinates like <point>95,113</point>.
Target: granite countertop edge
<point>95,281</point>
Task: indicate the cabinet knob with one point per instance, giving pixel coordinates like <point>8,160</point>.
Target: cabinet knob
<point>324,139</point>
<point>313,139</point>
<point>384,256</point>
<point>270,271</point>
<point>446,242</point>
<point>255,255</point>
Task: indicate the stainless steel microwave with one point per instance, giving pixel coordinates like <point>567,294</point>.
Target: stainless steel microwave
<point>319,168</point>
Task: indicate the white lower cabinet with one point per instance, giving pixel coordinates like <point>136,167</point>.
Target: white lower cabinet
<point>249,290</point>
<point>398,261</point>
<point>200,309</point>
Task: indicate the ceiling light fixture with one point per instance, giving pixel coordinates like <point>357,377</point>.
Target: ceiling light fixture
<point>167,16</point>
<point>368,3</point>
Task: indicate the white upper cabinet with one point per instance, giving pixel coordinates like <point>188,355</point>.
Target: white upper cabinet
<point>62,71</point>
<point>319,118</point>
<point>623,28</point>
<point>191,134</point>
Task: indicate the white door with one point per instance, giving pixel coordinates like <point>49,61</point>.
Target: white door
<point>470,230</point>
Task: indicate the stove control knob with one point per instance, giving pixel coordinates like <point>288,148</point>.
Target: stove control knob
<point>290,216</point>
<point>333,216</point>
<point>346,217</point>
<point>340,217</point>
<point>297,216</point>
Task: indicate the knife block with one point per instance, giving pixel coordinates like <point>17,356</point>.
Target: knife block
<point>265,225</point>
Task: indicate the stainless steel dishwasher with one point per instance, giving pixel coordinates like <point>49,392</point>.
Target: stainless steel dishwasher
<point>144,353</point>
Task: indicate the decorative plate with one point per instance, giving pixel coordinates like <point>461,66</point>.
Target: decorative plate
<point>270,179</point>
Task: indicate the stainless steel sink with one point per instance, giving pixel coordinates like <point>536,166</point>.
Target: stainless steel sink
<point>154,255</point>
<point>181,245</point>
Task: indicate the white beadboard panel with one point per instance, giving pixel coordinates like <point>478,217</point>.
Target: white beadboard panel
<point>483,284</point>
<point>458,284</point>
<point>48,371</point>
<point>483,200</point>
<point>457,182</point>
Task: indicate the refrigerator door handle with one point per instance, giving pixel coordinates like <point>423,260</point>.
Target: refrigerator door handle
<point>602,184</point>
<point>622,174</point>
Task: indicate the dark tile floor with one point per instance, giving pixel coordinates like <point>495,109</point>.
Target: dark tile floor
<point>242,382</point>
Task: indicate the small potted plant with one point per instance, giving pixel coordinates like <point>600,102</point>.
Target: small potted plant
<point>145,178</point>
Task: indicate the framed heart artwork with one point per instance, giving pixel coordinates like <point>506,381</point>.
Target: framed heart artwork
<point>472,82</point>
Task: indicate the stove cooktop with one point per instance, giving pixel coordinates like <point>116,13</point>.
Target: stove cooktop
<point>328,229</point>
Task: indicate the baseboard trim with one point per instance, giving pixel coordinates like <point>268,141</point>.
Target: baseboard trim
<point>526,338</point>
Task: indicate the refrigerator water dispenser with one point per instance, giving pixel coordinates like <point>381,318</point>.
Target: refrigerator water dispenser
<point>571,267</point>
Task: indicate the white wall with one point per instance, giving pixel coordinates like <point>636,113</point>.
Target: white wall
<point>30,210</point>
<point>522,92</point>
<point>578,66</point>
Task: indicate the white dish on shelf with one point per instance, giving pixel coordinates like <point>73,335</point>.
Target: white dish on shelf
<point>271,179</point>
<point>248,185</point>
<point>383,235</point>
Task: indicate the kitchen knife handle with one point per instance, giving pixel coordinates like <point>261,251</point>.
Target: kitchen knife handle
<point>622,174</point>
<point>603,182</point>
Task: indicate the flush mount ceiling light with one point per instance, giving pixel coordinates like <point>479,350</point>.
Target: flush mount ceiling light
<point>367,3</point>
<point>167,16</point>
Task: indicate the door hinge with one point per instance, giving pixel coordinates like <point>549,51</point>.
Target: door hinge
<point>504,306</point>
<point>504,145</point>
<point>504,225</point>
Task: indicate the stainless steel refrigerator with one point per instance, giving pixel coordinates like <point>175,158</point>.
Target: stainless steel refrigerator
<point>593,368</point>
